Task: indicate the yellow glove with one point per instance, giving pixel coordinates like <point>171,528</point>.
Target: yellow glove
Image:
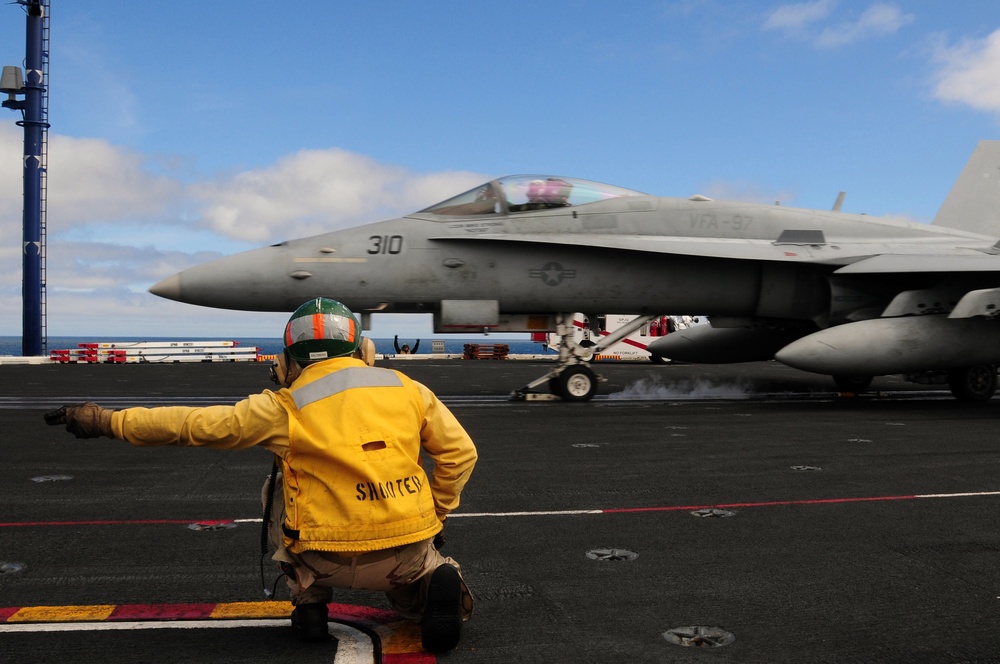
<point>83,420</point>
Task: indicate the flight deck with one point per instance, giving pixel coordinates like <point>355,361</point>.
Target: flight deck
<point>749,510</point>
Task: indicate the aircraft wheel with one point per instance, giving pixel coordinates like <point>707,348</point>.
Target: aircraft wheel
<point>576,383</point>
<point>975,383</point>
<point>853,383</point>
<point>657,359</point>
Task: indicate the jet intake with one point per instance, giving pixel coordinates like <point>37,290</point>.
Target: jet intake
<point>896,345</point>
<point>787,291</point>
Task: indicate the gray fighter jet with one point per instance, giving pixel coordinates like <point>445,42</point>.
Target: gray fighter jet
<point>847,295</point>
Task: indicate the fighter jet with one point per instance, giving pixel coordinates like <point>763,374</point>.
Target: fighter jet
<point>847,295</point>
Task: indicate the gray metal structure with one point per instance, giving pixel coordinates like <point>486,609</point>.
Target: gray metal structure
<point>847,295</point>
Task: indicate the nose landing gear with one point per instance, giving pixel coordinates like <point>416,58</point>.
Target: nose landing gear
<point>573,379</point>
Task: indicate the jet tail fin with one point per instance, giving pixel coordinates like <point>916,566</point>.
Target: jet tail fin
<point>973,204</point>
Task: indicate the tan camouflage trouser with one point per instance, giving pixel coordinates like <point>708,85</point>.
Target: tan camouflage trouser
<point>402,573</point>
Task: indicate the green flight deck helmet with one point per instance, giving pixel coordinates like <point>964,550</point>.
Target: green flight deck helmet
<point>320,329</point>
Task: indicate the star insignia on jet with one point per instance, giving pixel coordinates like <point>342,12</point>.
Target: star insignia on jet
<point>553,274</point>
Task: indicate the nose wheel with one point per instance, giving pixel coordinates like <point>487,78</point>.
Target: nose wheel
<point>975,383</point>
<point>575,383</point>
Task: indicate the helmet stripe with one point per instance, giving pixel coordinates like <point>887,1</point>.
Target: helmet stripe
<point>317,326</point>
<point>321,326</point>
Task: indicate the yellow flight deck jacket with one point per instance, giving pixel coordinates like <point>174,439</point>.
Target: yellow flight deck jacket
<point>349,437</point>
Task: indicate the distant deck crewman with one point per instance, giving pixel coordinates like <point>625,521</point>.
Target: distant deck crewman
<point>405,349</point>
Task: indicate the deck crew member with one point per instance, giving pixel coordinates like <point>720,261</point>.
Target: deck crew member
<point>354,508</point>
<point>405,350</point>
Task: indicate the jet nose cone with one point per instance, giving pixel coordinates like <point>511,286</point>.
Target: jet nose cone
<point>799,353</point>
<point>835,351</point>
<point>169,288</point>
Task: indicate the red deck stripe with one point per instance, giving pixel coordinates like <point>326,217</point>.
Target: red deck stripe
<point>111,522</point>
<point>612,510</point>
<point>162,612</point>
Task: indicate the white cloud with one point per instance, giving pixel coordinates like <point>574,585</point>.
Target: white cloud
<point>806,21</point>
<point>110,210</point>
<point>83,266</point>
<point>93,180</point>
<point>89,180</point>
<point>114,313</point>
<point>879,20</point>
<point>742,190</point>
<point>315,191</point>
<point>11,187</point>
<point>797,16</point>
<point>967,73</point>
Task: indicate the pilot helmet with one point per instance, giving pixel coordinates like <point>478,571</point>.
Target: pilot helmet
<point>536,190</point>
<point>321,329</point>
<point>558,191</point>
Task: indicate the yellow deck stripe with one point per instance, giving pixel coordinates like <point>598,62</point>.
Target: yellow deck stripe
<point>253,610</point>
<point>62,613</point>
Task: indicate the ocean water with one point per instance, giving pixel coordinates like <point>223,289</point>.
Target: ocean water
<point>272,345</point>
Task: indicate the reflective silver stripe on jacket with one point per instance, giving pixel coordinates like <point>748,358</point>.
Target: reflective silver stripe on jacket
<point>345,379</point>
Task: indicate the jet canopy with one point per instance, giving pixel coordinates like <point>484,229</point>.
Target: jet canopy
<point>525,193</point>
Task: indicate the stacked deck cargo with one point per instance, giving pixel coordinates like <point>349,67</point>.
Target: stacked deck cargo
<point>485,351</point>
<point>156,351</point>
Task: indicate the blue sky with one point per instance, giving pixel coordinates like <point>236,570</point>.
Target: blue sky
<point>183,131</point>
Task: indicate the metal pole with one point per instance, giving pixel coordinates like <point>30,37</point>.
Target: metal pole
<point>34,88</point>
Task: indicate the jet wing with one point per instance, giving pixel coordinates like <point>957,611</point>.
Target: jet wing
<point>899,263</point>
<point>854,257</point>
<point>716,247</point>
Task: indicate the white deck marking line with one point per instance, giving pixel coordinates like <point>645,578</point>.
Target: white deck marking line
<point>614,510</point>
<point>683,508</point>
<point>550,513</point>
<point>959,495</point>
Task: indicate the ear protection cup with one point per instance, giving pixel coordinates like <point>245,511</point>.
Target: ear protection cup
<point>279,370</point>
<point>366,351</point>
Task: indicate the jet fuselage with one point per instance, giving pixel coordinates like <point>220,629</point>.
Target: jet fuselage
<point>521,253</point>
<point>638,254</point>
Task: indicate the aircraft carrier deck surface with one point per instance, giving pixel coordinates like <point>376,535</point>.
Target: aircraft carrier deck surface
<point>748,511</point>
